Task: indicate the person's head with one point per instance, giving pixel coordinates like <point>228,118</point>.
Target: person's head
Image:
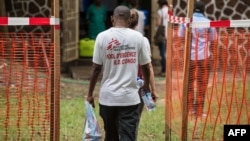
<point>199,7</point>
<point>134,3</point>
<point>97,2</point>
<point>161,3</point>
<point>121,16</point>
<point>134,17</point>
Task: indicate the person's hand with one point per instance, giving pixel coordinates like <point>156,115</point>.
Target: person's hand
<point>91,100</point>
<point>154,95</point>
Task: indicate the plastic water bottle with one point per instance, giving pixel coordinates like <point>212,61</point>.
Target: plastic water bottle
<point>148,100</point>
<point>139,82</point>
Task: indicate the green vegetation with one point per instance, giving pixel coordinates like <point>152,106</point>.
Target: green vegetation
<point>151,128</point>
<point>28,116</point>
<point>24,117</point>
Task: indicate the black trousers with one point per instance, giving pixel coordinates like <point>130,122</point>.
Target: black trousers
<point>120,122</point>
<point>140,110</point>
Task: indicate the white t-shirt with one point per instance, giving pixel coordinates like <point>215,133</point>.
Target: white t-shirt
<point>120,51</point>
<point>163,13</point>
<point>147,46</point>
<point>141,18</point>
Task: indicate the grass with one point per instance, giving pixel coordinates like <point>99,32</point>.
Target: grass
<point>72,119</point>
<point>151,128</point>
<point>72,114</point>
<point>24,117</point>
<point>152,125</point>
<point>222,106</point>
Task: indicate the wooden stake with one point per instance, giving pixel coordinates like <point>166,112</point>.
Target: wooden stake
<point>168,87</point>
<point>55,76</point>
<point>186,73</point>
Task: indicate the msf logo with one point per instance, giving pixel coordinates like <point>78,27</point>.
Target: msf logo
<point>113,43</point>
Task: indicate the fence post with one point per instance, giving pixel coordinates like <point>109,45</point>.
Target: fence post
<point>3,29</point>
<point>186,73</point>
<point>168,87</point>
<point>55,76</point>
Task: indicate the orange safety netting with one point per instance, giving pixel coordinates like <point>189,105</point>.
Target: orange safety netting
<point>25,85</point>
<point>218,87</point>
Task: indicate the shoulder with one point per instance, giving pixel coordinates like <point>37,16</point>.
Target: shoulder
<point>146,39</point>
<point>200,17</point>
<point>91,6</point>
<point>139,34</point>
<point>135,33</point>
<point>139,11</point>
<point>103,34</point>
<point>136,36</point>
<point>165,8</point>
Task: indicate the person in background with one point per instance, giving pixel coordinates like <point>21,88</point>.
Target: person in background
<point>118,52</point>
<point>162,19</point>
<point>134,17</point>
<point>140,26</point>
<point>200,60</point>
<point>126,3</point>
<point>96,16</point>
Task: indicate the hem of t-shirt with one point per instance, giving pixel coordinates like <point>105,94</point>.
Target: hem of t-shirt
<point>119,104</point>
<point>96,62</point>
<point>144,63</point>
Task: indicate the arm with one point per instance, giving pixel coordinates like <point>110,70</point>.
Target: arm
<point>212,34</point>
<point>148,76</point>
<point>152,77</point>
<point>152,83</point>
<point>181,31</point>
<point>181,34</point>
<point>158,20</point>
<point>213,40</point>
<point>95,72</point>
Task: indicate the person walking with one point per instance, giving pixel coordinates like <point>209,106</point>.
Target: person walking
<point>134,18</point>
<point>126,3</point>
<point>200,60</point>
<point>162,20</point>
<point>141,17</point>
<point>118,52</point>
<point>96,16</point>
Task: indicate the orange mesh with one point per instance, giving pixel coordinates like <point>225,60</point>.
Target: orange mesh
<point>25,68</point>
<point>223,86</point>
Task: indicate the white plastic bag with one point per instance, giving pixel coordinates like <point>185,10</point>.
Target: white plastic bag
<point>92,130</point>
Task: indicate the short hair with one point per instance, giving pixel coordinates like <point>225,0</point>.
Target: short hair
<point>134,17</point>
<point>199,6</point>
<point>121,12</point>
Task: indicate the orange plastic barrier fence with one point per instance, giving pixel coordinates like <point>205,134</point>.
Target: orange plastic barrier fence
<point>25,85</point>
<point>219,87</point>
